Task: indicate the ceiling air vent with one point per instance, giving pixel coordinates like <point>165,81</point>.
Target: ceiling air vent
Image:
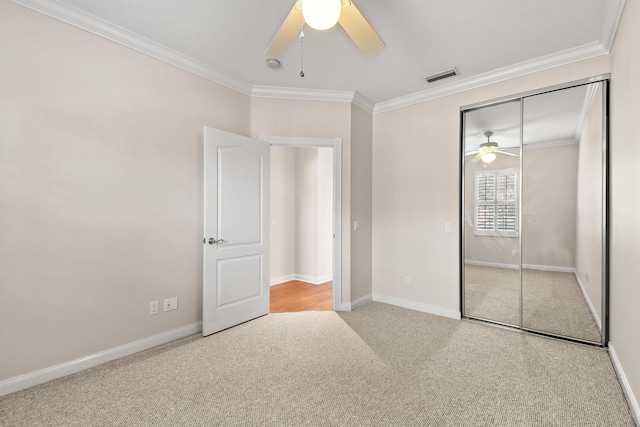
<point>443,75</point>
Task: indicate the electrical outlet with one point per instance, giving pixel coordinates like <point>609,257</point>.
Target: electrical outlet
<point>447,227</point>
<point>356,225</point>
<point>587,276</point>
<point>171,304</point>
<point>513,252</point>
<point>407,281</point>
<point>153,308</point>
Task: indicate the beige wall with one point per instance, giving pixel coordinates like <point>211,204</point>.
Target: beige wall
<point>361,174</point>
<point>301,214</point>
<point>306,223</point>
<point>100,190</point>
<point>625,200</point>
<point>549,186</point>
<point>314,222</point>
<point>324,231</point>
<point>282,242</point>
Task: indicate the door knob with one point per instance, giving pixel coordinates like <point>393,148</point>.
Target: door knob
<point>212,241</point>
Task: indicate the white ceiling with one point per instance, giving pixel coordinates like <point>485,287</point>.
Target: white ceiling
<point>486,41</point>
<point>552,118</point>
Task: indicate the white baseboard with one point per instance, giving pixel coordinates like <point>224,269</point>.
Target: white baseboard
<point>282,279</point>
<point>313,280</point>
<point>360,302</point>
<point>592,309</point>
<point>626,387</point>
<point>524,266</point>
<point>492,264</point>
<point>300,278</point>
<point>425,308</point>
<point>552,268</point>
<point>58,371</point>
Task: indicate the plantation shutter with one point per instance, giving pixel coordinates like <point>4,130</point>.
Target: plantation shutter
<point>485,201</point>
<point>497,203</point>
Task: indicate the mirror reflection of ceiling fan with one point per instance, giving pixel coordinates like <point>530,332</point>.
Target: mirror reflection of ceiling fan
<point>324,14</point>
<point>488,151</point>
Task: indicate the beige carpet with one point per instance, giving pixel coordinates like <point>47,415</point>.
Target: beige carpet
<point>377,366</point>
<point>552,302</point>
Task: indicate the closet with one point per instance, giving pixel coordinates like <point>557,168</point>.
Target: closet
<point>534,245</point>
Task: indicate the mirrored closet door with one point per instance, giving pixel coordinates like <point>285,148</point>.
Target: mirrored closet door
<point>534,212</point>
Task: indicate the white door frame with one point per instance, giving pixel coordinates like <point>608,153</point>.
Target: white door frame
<point>336,144</point>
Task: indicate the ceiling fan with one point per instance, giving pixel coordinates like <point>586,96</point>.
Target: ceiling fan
<point>488,150</point>
<point>347,15</point>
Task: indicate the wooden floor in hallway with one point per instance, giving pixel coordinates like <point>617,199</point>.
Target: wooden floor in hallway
<point>300,296</point>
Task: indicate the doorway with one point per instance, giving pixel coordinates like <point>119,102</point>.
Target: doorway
<point>305,224</point>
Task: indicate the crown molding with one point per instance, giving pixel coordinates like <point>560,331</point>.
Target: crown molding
<point>528,67</point>
<point>603,47</point>
<point>363,102</point>
<point>107,30</point>
<point>312,95</point>
<point>613,15</point>
<point>100,27</point>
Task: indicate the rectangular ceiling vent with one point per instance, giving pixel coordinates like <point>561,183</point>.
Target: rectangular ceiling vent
<point>443,75</point>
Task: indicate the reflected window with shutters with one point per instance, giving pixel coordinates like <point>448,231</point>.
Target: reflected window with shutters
<point>496,197</point>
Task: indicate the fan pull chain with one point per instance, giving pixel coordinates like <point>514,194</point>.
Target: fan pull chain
<point>301,53</point>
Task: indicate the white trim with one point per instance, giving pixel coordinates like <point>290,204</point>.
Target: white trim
<point>58,371</point>
<point>336,144</point>
<point>312,95</point>
<point>424,308</point>
<point>611,23</point>
<point>492,264</point>
<point>301,278</point>
<point>282,279</point>
<point>304,94</point>
<point>624,382</point>
<point>363,102</point>
<point>103,28</point>
<point>100,27</point>
<point>313,280</point>
<point>550,144</point>
<point>552,268</point>
<point>361,301</point>
<point>569,56</point>
<point>592,309</point>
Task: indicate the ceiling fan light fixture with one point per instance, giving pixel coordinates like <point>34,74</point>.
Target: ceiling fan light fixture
<point>488,157</point>
<point>321,14</point>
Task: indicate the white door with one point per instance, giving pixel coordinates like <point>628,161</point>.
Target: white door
<point>236,233</point>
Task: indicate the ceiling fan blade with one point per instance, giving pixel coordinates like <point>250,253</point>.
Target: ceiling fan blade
<point>477,158</point>
<point>471,153</point>
<point>362,34</point>
<point>506,153</point>
<point>288,32</point>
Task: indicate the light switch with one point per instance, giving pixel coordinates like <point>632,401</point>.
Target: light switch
<point>447,227</point>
